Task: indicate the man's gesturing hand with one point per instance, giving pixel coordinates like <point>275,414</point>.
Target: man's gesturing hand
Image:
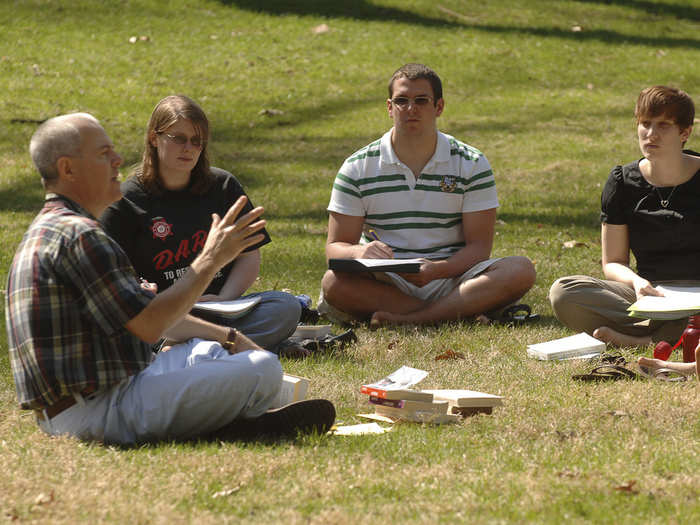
<point>229,236</point>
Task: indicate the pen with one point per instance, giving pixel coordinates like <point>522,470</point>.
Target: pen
<point>373,234</point>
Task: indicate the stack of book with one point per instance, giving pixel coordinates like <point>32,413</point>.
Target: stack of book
<point>467,402</point>
<point>394,398</point>
<point>409,405</point>
<point>430,406</point>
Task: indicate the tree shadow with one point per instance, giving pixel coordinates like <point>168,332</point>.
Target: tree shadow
<point>601,35</point>
<point>27,196</point>
<point>356,9</point>
<point>653,8</point>
<point>362,10</point>
<point>576,214</point>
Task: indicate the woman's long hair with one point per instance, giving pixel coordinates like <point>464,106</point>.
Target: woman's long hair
<point>166,113</point>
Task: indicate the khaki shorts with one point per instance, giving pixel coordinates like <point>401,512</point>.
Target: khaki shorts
<point>431,292</point>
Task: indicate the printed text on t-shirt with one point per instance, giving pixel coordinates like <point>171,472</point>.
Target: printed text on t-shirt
<point>167,258</point>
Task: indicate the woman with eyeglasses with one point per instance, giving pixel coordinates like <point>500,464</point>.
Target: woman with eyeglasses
<point>163,220</point>
<point>649,208</point>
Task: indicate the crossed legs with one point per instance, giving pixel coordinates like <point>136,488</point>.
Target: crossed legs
<point>505,281</point>
<point>599,308</point>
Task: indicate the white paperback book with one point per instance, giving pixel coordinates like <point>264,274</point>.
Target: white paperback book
<point>676,303</point>
<point>232,309</point>
<point>575,346</point>
<point>293,389</point>
<point>466,398</point>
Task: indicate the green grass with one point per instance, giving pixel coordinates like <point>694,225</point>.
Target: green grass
<point>552,110</point>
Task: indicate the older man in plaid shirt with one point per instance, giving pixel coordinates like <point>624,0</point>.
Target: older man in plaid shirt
<point>80,322</point>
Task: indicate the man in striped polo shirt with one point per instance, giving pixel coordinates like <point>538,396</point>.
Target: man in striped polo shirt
<point>418,193</point>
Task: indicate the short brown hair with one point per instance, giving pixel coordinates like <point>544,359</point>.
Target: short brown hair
<point>415,71</point>
<point>663,100</point>
<point>166,113</point>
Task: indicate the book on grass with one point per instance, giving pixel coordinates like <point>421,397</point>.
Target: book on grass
<point>408,405</point>
<point>419,416</point>
<point>575,346</point>
<point>404,394</point>
<point>466,398</point>
<point>310,332</point>
<point>231,309</point>
<point>677,302</point>
<point>397,385</point>
<point>293,389</point>
<point>375,265</point>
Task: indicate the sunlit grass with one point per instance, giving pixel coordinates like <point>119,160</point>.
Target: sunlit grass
<point>549,105</point>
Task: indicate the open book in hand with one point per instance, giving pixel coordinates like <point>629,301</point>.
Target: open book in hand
<point>677,302</point>
<point>231,309</point>
<point>375,265</point>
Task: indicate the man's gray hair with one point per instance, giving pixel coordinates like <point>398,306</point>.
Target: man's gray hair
<point>57,137</point>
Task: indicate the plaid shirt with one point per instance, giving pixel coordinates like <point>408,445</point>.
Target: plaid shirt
<point>70,291</point>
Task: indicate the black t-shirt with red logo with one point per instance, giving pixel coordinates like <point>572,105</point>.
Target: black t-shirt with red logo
<point>163,234</point>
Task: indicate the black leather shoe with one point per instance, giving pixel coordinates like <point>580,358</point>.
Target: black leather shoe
<point>302,417</point>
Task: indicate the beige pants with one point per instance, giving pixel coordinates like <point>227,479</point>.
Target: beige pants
<point>585,303</point>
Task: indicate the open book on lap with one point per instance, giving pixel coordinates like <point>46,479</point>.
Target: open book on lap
<point>375,265</point>
<point>232,309</point>
<point>677,302</point>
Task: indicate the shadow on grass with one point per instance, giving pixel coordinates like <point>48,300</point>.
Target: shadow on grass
<point>362,10</point>
<point>357,9</point>
<point>655,7</point>
<point>28,196</point>
<point>570,216</point>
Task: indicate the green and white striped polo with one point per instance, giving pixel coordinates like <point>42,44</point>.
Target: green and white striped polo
<point>416,218</point>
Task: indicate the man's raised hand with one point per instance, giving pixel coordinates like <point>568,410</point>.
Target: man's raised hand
<point>231,235</point>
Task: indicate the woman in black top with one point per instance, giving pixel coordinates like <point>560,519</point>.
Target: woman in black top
<point>163,219</point>
<point>649,208</point>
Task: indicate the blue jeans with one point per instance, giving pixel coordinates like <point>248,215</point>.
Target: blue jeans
<point>272,320</point>
<point>191,390</point>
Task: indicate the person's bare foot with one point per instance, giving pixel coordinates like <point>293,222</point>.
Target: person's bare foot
<point>482,319</point>
<point>608,335</point>
<point>379,319</point>
<point>652,364</point>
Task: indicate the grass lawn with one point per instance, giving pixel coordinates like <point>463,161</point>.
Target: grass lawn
<point>546,88</point>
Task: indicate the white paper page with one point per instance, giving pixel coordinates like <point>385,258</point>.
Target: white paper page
<point>234,306</point>
<point>675,298</point>
<point>403,378</point>
<point>572,342</point>
<point>373,263</point>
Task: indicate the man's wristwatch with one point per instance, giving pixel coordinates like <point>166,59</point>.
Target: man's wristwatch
<point>230,342</point>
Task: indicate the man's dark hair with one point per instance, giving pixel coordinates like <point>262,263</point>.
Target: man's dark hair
<point>414,72</point>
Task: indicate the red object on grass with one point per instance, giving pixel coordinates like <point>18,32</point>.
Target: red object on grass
<point>662,350</point>
<point>690,338</point>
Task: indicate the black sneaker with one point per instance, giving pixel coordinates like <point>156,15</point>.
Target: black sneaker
<point>302,417</point>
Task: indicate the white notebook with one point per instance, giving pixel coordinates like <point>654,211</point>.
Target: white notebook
<point>580,345</point>
<point>232,309</point>
<point>676,303</point>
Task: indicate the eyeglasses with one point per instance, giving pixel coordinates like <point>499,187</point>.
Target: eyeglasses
<point>402,103</point>
<point>181,140</point>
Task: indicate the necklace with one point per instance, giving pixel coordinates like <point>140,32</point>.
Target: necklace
<point>664,202</point>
